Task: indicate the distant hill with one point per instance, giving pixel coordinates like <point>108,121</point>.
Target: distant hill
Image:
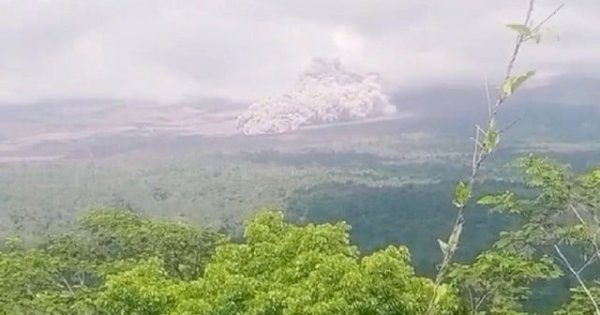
<point>565,109</point>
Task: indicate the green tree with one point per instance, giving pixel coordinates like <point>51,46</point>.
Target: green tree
<point>33,282</point>
<point>559,218</point>
<point>106,236</point>
<point>281,268</point>
<point>146,289</point>
<point>498,283</point>
<point>67,273</point>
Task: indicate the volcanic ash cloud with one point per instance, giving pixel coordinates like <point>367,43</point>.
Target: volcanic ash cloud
<point>325,93</point>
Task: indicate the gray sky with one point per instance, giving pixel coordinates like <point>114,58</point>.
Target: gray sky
<point>247,49</point>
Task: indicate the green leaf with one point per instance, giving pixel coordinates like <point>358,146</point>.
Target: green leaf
<point>462,193</point>
<point>511,84</point>
<point>443,246</point>
<point>523,30</point>
<point>492,138</point>
<point>488,200</point>
<point>526,32</point>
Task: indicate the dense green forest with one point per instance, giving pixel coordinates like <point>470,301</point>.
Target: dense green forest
<point>117,261</point>
<point>59,256</point>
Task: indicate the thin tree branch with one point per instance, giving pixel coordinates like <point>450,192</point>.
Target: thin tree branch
<point>481,300</point>
<point>551,15</point>
<point>479,156</point>
<point>67,285</point>
<point>579,279</point>
<point>587,264</point>
<point>475,145</point>
<point>512,124</point>
<point>585,223</point>
<point>513,58</point>
<point>471,300</point>
<point>488,98</point>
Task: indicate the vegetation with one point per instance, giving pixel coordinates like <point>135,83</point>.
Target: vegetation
<point>119,262</point>
<point>544,230</point>
<point>561,222</point>
<point>116,262</point>
<point>486,141</point>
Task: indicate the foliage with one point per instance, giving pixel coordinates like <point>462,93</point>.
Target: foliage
<point>124,235</point>
<point>287,269</point>
<point>498,283</point>
<point>33,282</point>
<point>65,274</point>
<point>580,302</point>
<point>280,268</point>
<point>560,219</point>
<point>146,289</point>
<point>119,262</point>
<point>486,142</point>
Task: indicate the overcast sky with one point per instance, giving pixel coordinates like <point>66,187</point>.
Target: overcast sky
<point>247,49</point>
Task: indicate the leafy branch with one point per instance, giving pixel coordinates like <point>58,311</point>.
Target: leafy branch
<point>562,221</point>
<point>486,141</point>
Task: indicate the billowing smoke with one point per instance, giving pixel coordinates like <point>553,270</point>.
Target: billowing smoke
<point>325,93</point>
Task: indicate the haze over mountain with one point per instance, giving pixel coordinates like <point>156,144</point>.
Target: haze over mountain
<point>73,71</point>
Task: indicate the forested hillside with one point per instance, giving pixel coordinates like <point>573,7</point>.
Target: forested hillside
<point>116,261</point>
